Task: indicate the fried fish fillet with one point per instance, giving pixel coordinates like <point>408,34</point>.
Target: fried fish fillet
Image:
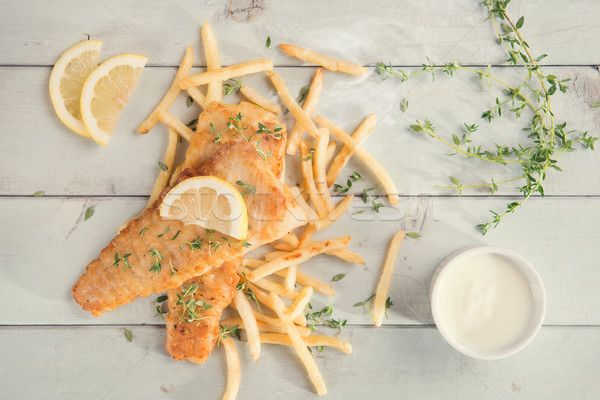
<point>219,124</point>
<point>192,340</point>
<point>152,255</point>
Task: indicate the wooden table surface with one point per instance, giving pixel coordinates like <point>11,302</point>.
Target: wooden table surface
<point>50,348</point>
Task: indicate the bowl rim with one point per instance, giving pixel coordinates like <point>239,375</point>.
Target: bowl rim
<point>531,275</point>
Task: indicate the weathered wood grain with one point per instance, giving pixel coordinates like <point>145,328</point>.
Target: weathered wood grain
<point>98,362</point>
<point>45,249</point>
<point>34,138</point>
<point>365,32</point>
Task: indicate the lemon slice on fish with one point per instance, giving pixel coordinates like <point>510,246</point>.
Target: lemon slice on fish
<point>209,202</point>
<point>67,79</point>
<point>106,92</point>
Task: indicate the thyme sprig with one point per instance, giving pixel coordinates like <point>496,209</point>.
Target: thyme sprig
<point>190,307</point>
<point>547,139</point>
<point>224,332</point>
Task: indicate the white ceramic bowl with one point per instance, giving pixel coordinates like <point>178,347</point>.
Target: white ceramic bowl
<point>537,313</point>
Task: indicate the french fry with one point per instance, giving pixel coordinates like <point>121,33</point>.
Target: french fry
<point>171,95</point>
<point>270,256</point>
<point>339,162</point>
<point>309,106</point>
<point>234,374</point>
<point>225,73</point>
<point>302,278</point>
<point>301,301</point>
<point>260,100</point>
<point>344,254</point>
<point>300,347</point>
<point>290,277</point>
<point>297,197</point>
<point>175,123</point>
<point>309,181</point>
<point>307,236</point>
<point>319,168</point>
<point>214,90</point>
<point>272,286</point>
<point>368,159</point>
<point>324,61</point>
<point>312,340</point>
<point>335,214</point>
<point>197,96</point>
<point>163,176</point>
<point>275,327</point>
<point>385,280</point>
<point>348,255</point>
<point>243,308</point>
<point>330,150</point>
<point>175,174</point>
<point>297,257</point>
<point>296,111</point>
<point>266,300</point>
<point>290,239</point>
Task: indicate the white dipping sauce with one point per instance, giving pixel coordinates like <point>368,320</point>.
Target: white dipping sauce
<point>485,302</point>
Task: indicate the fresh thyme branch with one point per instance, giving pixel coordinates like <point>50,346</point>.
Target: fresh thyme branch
<point>547,139</point>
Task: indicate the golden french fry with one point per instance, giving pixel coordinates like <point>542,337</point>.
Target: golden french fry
<point>324,61</point>
<point>175,175</point>
<point>243,308</point>
<point>214,91</point>
<point>175,123</point>
<point>171,95</point>
<point>260,100</point>
<point>334,215</point>
<point>310,104</point>
<point>339,162</point>
<point>312,340</point>
<point>296,111</point>
<point>270,256</point>
<point>266,300</point>
<point>301,301</point>
<point>303,353</point>
<point>344,254</point>
<point>225,73</point>
<point>368,159</point>
<point>311,187</point>
<point>290,239</point>
<point>297,257</point>
<point>386,278</point>
<point>297,197</point>
<point>301,278</point>
<point>163,176</point>
<point>197,96</point>
<point>290,277</point>
<point>275,326</point>
<point>234,374</point>
<point>348,255</point>
<point>271,286</point>
<point>320,166</point>
<point>307,236</point>
<point>330,150</point>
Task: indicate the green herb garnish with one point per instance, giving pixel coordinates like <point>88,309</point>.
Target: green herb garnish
<point>88,213</point>
<point>128,335</point>
<point>39,193</point>
<point>338,277</point>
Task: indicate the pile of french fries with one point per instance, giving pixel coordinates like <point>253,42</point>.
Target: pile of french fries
<point>277,275</point>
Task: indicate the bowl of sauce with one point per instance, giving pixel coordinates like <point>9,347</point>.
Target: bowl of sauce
<point>487,302</point>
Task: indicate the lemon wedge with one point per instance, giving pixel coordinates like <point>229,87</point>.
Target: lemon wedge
<point>106,93</point>
<point>209,202</point>
<point>67,79</point>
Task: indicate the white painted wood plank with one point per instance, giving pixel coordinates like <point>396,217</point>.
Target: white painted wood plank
<point>366,32</point>
<point>45,246</point>
<point>34,138</point>
<point>415,363</point>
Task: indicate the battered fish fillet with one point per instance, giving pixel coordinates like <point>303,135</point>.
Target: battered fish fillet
<point>189,340</point>
<point>212,131</point>
<point>193,341</point>
<point>123,271</point>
